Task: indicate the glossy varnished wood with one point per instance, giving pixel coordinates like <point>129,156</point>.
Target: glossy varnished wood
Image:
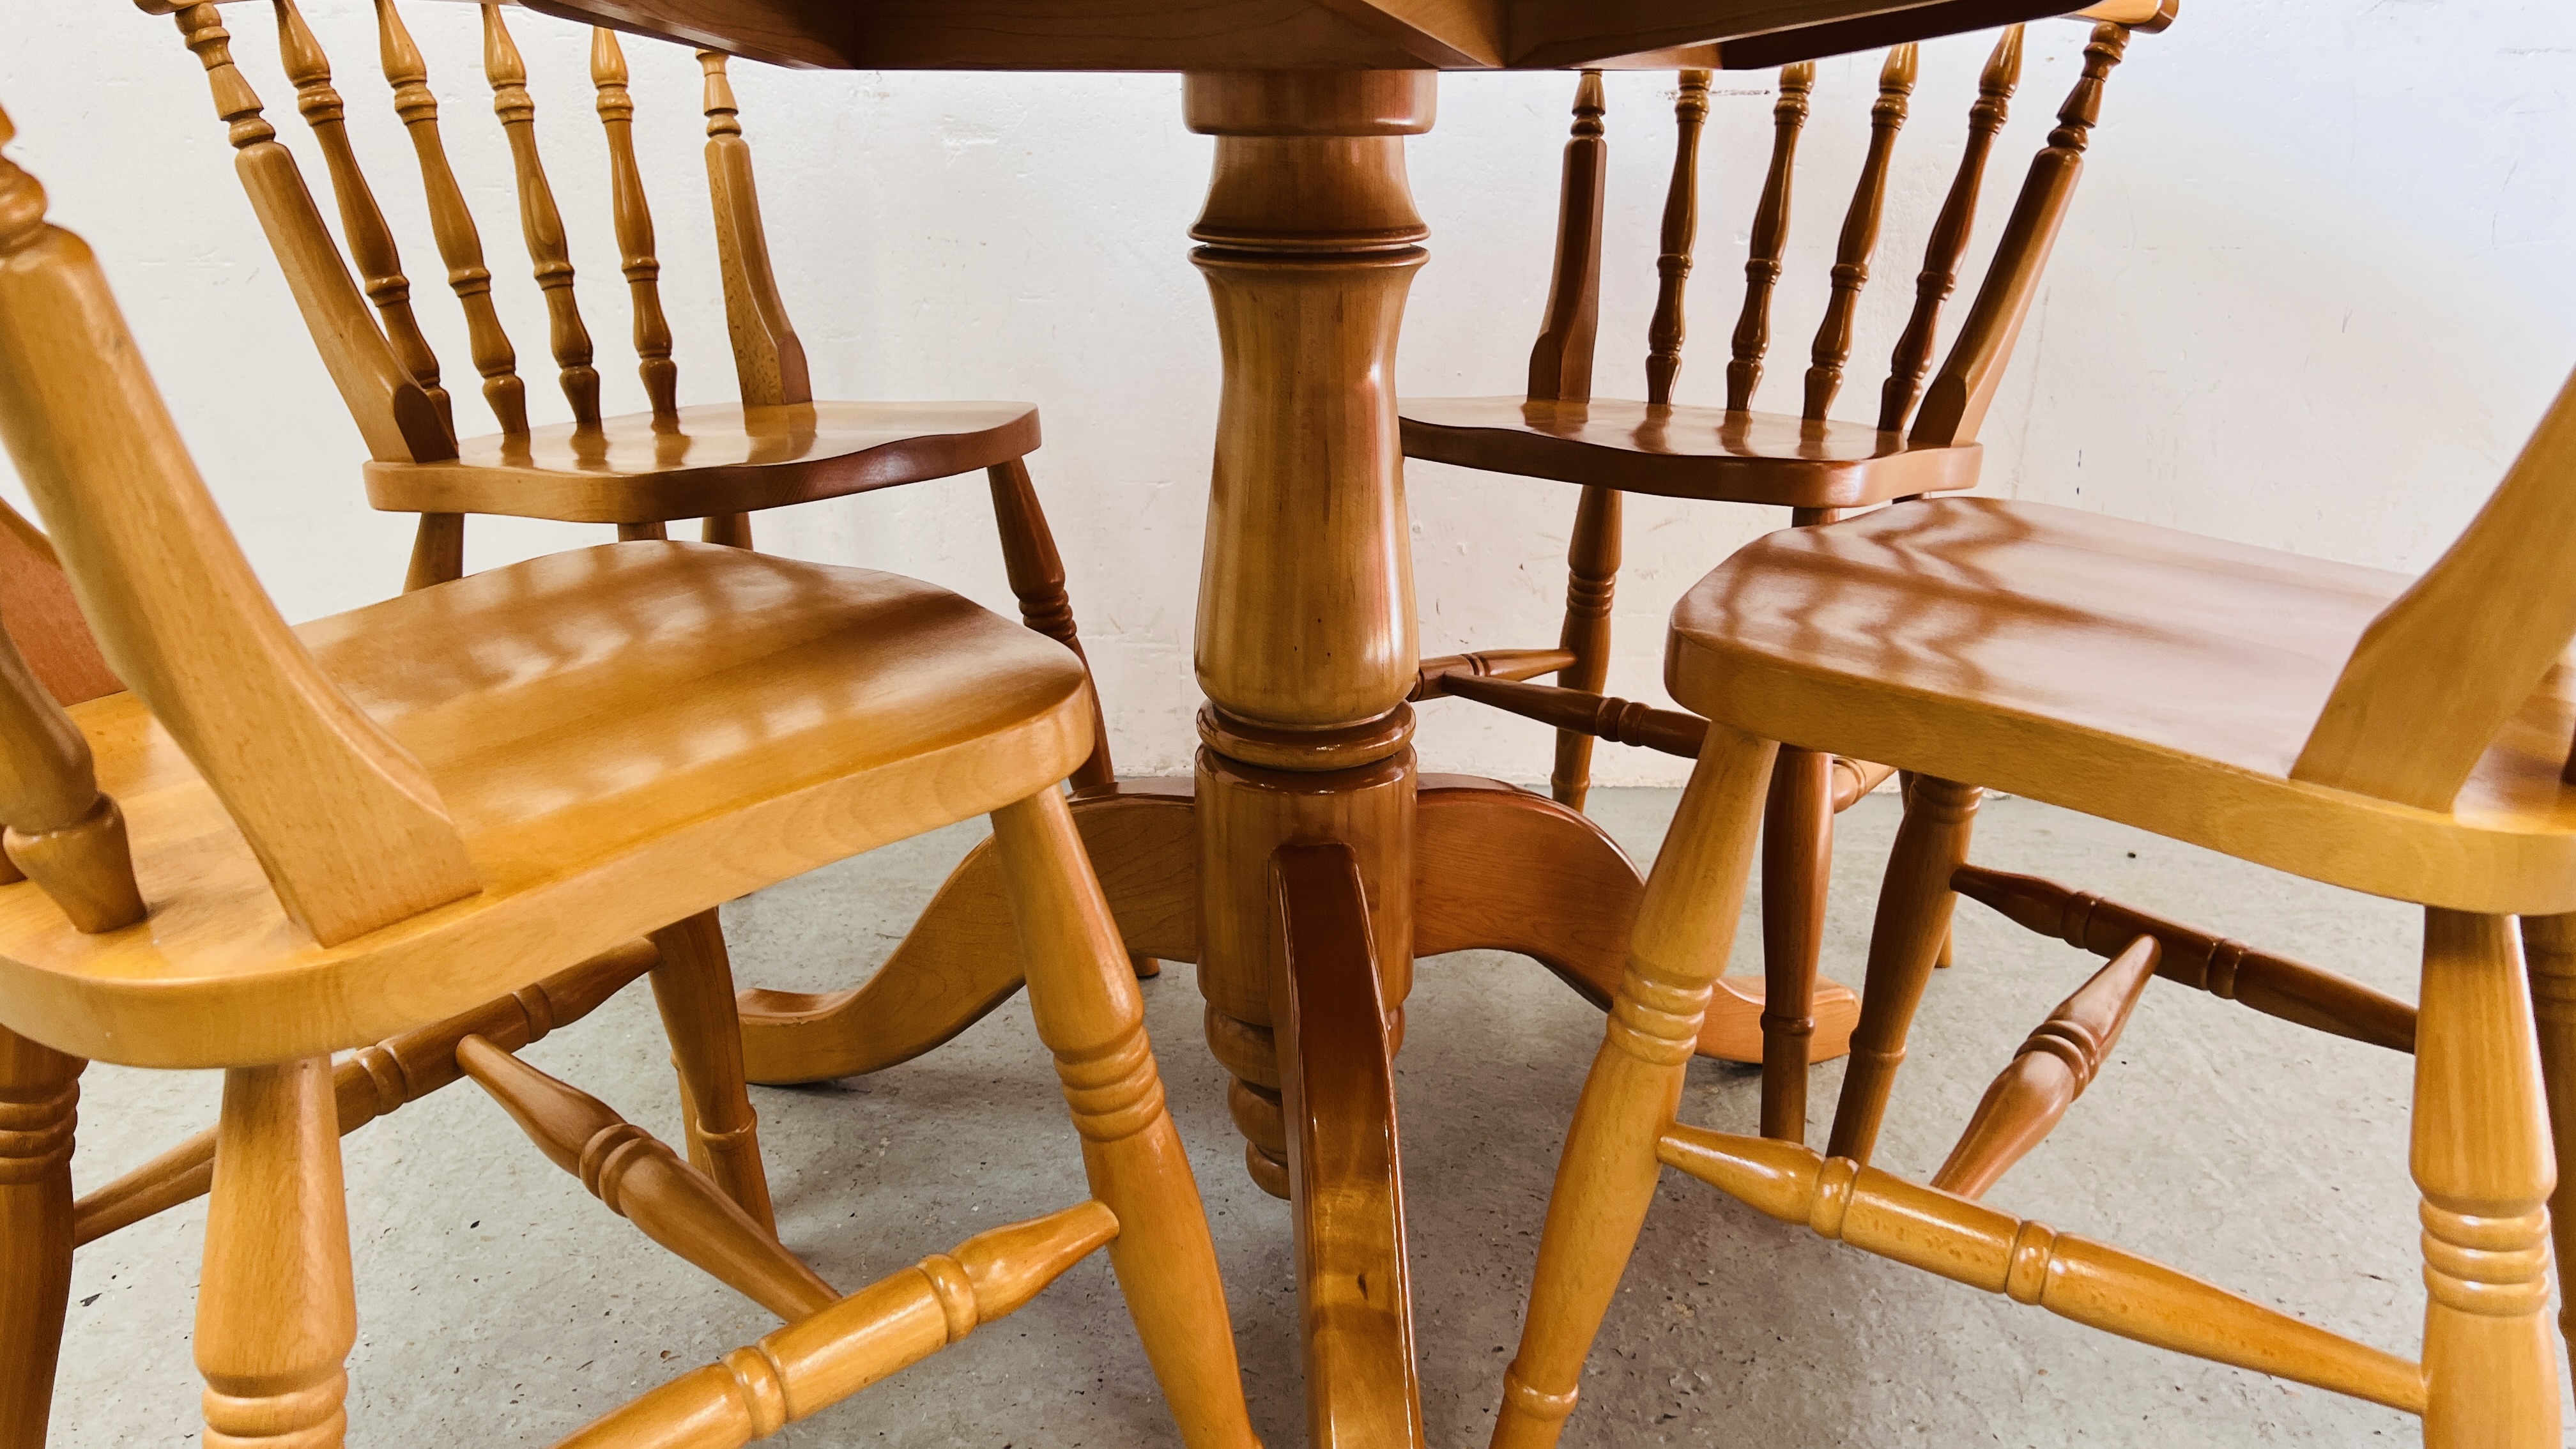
<point>716,457</point>
<point>2151,676</point>
<point>375,1080</point>
<point>39,1095</point>
<point>2182,684</point>
<point>588,671</point>
<point>1337,1084</point>
<point>2054,1066</point>
<point>1683,451</point>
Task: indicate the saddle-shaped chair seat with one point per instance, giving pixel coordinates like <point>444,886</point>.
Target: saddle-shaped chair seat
<point>719,458</point>
<point>622,735</point>
<point>2147,675</point>
<point>1684,452</point>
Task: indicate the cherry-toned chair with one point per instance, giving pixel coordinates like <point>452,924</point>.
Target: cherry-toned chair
<point>440,823</point>
<point>639,471</point>
<point>1922,440</point>
<point>2407,738</point>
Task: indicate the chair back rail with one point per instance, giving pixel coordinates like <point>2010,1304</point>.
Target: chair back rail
<point>2445,665</point>
<point>1955,405</point>
<point>1560,367</point>
<point>768,359</point>
<point>346,824</point>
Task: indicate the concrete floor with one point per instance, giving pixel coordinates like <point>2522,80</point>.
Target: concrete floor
<point>499,1305</point>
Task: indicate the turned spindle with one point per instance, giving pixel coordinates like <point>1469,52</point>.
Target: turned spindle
<point>643,1181</point>
<point>1860,233</point>
<point>633,217</point>
<point>1950,231</point>
<point>362,222</point>
<point>2053,1067</point>
<point>1770,236</point>
<point>1681,225</point>
<point>540,220</point>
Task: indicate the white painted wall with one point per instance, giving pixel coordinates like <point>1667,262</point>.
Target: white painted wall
<point>2319,281</point>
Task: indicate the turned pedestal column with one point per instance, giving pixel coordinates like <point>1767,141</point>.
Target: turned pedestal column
<point>1306,645</point>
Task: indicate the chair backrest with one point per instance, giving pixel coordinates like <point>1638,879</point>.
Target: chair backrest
<point>386,370</point>
<point>2442,669</point>
<point>1955,404</point>
<point>347,826</point>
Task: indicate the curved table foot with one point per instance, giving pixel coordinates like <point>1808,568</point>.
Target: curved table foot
<point>961,960</point>
<point>1499,868</point>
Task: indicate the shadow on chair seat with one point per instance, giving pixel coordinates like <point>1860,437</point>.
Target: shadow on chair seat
<point>623,735</point>
<point>2142,674</point>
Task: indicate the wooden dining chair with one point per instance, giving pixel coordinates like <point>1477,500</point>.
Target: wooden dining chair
<point>718,461</point>
<point>446,819</point>
<point>1817,466</point>
<point>2406,738</point>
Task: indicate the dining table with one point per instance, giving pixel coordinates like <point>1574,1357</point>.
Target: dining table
<point>1307,861</point>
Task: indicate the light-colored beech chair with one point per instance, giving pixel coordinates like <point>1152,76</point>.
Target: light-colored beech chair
<point>717,461</point>
<point>2403,737</point>
<point>446,819</point>
<point>1921,439</point>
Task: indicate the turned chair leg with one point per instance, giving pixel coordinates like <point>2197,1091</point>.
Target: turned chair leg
<point>733,530</point>
<point>1091,1017</point>
<point>2483,1162</point>
<point>693,986</point>
<point>276,1308</point>
<point>1606,1175</point>
<point>1592,574</point>
<point>1036,572</point>
<point>1797,862</point>
<point>1905,940</point>
<point>39,1090</point>
<point>2549,949</point>
<point>437,551</point>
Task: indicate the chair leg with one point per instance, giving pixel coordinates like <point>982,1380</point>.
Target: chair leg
<point>1591,575</point>
<point>437,551</point>
<point>276,1308</point>
<point>733,530</point>
<point>1092,1019</point>
<point>39,1089</point>
<point>1036,572</point>
<point>2549,949</point>
<point>1606,1175</point>
<point>693,986</point>
<point>1797,861</point>
<point>2483,1163</point>
<point>1905,939</point>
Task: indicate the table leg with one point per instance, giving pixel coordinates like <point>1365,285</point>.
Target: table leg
<point>1306,649</point>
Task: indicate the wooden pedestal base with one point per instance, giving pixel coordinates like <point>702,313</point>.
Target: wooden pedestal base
<point>1497,868</point>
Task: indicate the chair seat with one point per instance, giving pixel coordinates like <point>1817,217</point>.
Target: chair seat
<point>722,458</point>
<point>2137,673</point>
<point>624,736</point>
<point>1683,452</point>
